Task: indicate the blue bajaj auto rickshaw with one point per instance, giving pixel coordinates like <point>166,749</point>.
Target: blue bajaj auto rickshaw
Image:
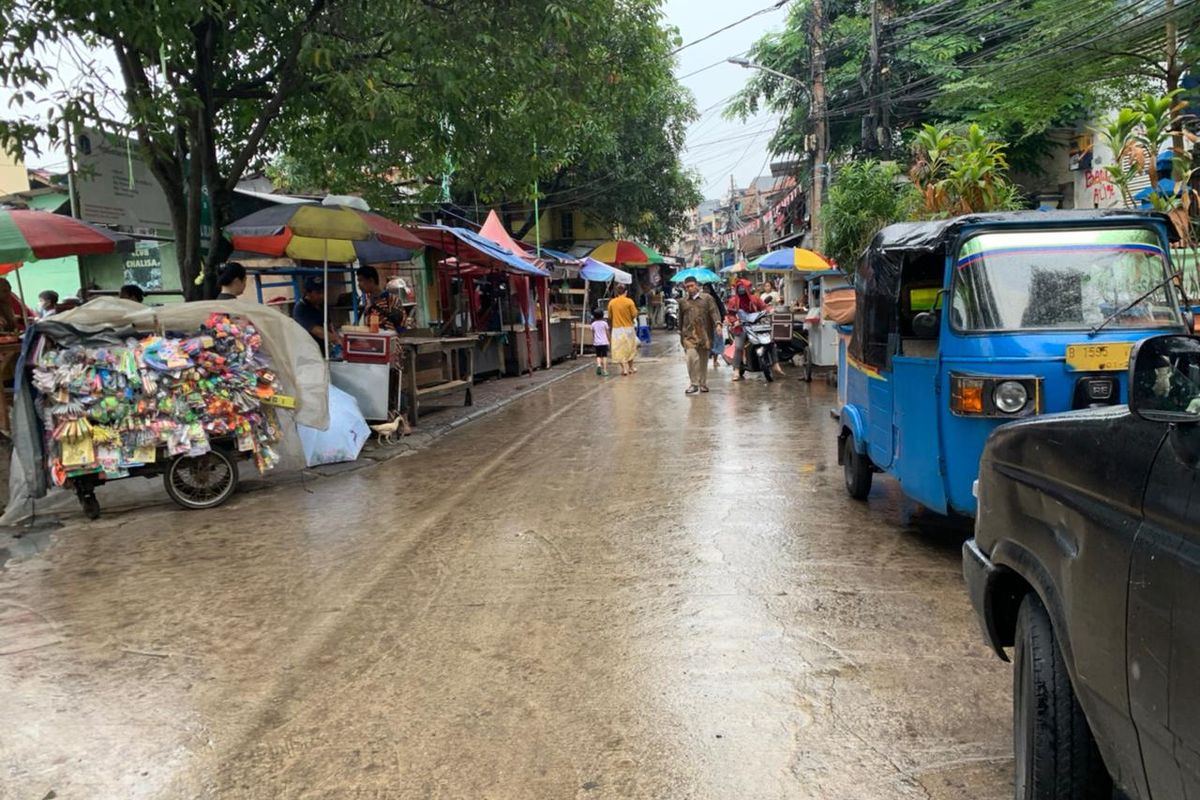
<point>966,323</point>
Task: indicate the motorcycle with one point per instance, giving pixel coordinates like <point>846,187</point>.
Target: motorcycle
<point>760,354</point>
<point>671,312</point>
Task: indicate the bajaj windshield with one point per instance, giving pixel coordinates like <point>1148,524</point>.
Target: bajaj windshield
<point>1062,279</point>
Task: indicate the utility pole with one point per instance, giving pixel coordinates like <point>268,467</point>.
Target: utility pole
<point>1173,70</point>
<point>820,116</point>
<point>876,127</point>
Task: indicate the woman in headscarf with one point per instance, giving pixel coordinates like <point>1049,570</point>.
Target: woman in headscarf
<point>745,300</point>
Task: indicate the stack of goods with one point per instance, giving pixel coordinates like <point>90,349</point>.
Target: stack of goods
<point>111,408</point>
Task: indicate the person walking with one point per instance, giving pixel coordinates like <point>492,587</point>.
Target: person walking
<point>622,316</point>
<point>699,322</point>
<point>600,341</point>
<point>745,300</point>
<point>718,345</point>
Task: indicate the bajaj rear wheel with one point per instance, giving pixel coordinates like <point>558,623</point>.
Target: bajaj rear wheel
<point>857,469</point>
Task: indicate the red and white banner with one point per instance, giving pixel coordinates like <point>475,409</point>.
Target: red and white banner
<point>774,214</point>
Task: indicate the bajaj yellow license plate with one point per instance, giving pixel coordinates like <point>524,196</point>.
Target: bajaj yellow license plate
<point>1112,357</point>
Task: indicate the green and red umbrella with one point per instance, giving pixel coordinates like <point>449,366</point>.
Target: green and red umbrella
<point>33,235</point>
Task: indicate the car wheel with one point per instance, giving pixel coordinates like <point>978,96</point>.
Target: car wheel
<point>857,468</point>
<point>1055,753</point>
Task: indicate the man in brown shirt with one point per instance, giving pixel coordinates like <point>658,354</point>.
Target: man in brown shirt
<point>698,320</point>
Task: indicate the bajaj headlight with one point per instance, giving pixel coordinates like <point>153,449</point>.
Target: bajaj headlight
<point>1010,396</point>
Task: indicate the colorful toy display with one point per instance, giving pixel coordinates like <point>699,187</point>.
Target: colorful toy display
<point>109,408</point>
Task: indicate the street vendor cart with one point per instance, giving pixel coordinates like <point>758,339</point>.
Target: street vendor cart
<point>115,389</point>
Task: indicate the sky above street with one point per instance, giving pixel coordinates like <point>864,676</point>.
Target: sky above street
<point>717,147</point>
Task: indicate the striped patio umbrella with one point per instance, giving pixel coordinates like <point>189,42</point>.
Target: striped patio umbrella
<point>628,253</point>
<point>739,267</point>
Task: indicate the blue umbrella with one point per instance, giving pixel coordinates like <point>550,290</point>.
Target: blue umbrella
<point>701,274</point>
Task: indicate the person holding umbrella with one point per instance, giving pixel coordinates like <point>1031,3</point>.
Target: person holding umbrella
<point>699,322</point>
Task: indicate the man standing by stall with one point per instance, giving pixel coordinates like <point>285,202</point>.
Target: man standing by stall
<point>377,300</point>
<point>699,321</point>
<point>309,312</point>
<point>622,317</point>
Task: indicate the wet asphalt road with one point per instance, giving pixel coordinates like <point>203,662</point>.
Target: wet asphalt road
<point>606,590</point>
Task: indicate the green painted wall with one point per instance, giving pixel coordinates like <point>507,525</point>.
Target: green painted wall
<point>59,274</point>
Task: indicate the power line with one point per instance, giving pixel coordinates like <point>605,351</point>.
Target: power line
<point>777,5</point>
<point>710,66</point>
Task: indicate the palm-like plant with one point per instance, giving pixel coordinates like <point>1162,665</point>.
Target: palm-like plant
<point>961,173</point>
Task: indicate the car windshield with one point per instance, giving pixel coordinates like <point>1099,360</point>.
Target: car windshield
<point>1068,279</point>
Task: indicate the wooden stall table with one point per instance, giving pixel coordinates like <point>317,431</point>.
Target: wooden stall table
<point>9,352</point>
<point>447,377</point>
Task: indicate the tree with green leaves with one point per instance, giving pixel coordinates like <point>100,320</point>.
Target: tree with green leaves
<point>960,173</point>
<point>383,96</point>
<point>865,197</point>
<point>1017,69</point>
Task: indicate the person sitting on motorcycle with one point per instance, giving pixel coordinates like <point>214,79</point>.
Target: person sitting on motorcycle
<point>743,299</point>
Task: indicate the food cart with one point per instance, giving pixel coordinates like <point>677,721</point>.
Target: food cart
<point>822,351</point>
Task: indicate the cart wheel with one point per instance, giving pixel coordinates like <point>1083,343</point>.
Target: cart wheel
<point>90,505</point>
<point>201,481</point>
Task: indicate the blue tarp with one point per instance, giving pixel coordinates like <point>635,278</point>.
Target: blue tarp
<point>478,250</point>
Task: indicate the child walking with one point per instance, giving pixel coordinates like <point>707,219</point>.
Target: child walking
<point>600,340</point>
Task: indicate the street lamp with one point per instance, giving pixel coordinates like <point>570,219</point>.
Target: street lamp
<point>817,112</point>
<point>746,63</point>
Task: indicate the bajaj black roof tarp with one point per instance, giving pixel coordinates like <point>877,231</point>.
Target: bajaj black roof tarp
<point>877,280</point>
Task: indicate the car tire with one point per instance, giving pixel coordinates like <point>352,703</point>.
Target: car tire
<point>857,469</point>
<point>1055,753</point>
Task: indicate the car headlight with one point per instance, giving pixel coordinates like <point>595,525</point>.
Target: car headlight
<point>1010,396</point>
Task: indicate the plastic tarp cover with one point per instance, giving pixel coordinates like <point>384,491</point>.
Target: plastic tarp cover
<point>838,305</point>
<point>294,356</point>
<point>343,440</point>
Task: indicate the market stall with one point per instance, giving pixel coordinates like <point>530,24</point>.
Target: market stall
<point>330,242</point>
<point>565,300</point>
<point>486,293</point>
